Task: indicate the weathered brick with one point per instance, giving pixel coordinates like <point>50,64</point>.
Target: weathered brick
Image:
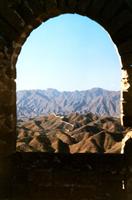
<point>83,6</point>
<point>125,47</point>
<point>119,21</point>
<point>54,177</point>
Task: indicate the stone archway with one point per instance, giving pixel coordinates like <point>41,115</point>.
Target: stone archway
<point>18,18</point>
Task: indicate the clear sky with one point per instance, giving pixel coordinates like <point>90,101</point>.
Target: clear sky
<point>68,52</point>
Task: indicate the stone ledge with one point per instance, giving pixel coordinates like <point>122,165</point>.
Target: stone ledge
<point>62,176</point>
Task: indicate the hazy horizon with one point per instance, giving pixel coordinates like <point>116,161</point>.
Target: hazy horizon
<point>69,53</point>
<point>46,89</point>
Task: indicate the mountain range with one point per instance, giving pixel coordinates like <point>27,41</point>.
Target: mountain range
<point>31,103</point>
<point>74,133</point>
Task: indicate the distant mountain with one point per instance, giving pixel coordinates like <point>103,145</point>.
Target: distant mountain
<point>74,133</point>
<point>32,103</point>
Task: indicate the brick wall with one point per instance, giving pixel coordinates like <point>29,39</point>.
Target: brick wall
<point>50,177</point>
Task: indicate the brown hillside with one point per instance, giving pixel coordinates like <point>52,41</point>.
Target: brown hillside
<point>74,133</point>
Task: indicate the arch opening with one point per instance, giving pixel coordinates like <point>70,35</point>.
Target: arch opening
<point>18,19</point>
<point>62,138</point>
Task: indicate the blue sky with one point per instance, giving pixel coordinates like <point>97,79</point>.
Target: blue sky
<point>68,53</point>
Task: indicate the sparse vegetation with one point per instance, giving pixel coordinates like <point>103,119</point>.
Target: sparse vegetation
<point>74,133</point>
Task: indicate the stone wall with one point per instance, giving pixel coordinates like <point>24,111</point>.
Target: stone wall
<point>62,176</point>
<point>17,19</point>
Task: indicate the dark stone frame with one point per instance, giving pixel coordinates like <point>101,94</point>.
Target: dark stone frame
<point>17,19</point>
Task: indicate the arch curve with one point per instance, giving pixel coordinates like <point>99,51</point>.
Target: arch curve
<point>18,18</point>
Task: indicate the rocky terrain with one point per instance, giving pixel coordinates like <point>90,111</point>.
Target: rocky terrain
<point>31,103</point>
<point>73,133</point>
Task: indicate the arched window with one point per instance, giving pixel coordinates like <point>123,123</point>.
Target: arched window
<point>76,59</point>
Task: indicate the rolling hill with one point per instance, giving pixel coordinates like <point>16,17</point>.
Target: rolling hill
<point>74,133</point>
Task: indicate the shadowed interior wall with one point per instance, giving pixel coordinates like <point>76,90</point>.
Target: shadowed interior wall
<point>18,18</point>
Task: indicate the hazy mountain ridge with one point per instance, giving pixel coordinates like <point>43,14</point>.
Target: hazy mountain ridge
<point>32,103</point>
